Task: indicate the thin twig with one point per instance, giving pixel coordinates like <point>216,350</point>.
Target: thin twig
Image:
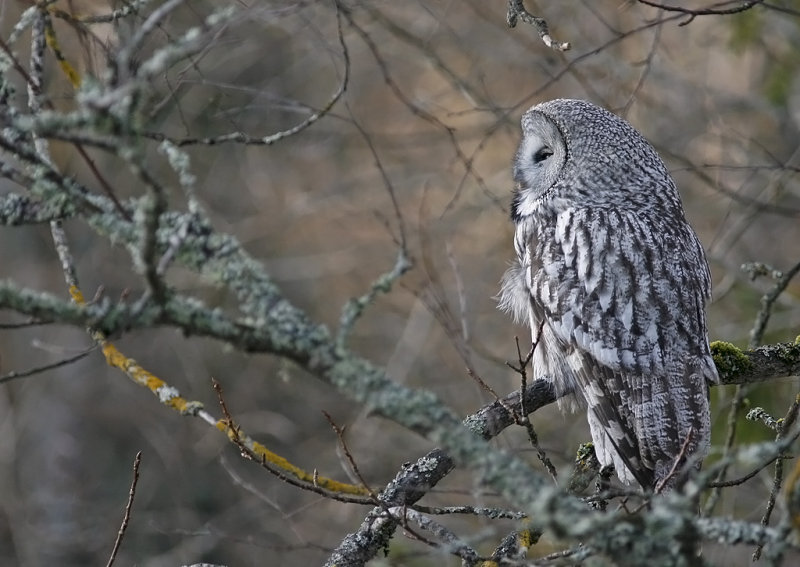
<point>461,293</point>
<point>742,479</point>
<point>287,518</point>
<point>648,66</point>
<point>676,464</point>
<point>14,375</point>
<point>387,182</point>
<point>767,303</point>
<point>246,139</point>
<point>128,507</point>
<point>777,480</point>
<point>522,418</point>
<point>693,13</point>
<point>350,460</point>
<point>373,495</point>
<point>471,373</point>
<point>418,110</point>
<point>284,470</point>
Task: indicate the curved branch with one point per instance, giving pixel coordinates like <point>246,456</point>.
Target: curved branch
<point>693,13</point>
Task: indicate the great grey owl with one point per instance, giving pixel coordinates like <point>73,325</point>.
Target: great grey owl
<point>614,284</point>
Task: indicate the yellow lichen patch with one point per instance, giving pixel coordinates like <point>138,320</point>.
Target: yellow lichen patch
<point>529,537</point>
<point>166,394</point>
<point>52,42</point>
<point>285,466</point>
<point>171,397</point>
<point>76,295</point>
<point>526,538</point>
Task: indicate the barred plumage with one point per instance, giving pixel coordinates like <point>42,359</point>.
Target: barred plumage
<point>612,273</point>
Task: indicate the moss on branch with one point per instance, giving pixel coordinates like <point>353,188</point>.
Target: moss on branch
<point>736,366</point>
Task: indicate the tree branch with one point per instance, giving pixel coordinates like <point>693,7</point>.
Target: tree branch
<point>517,11</point>
<point>761,364</point>
<point>693,13</point>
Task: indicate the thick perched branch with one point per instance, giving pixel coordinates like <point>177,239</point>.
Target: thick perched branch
<point>757,365</point>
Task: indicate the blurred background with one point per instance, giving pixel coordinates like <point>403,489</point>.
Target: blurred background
<point>429,120</point>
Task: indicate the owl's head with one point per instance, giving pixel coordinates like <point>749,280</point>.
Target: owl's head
<point>576,154</point>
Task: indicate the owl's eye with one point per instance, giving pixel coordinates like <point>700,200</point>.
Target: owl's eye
<point>542,154</point>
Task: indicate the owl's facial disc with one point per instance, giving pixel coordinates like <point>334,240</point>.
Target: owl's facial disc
<point>538,163</point>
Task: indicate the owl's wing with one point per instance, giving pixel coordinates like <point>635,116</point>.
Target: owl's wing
<point>608,395</point>
<point>625,288</point>
<point>625,295</point>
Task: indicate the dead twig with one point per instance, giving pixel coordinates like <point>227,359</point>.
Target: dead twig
<point>280,467</point>
<point>128,507</point>
<point>517,11</point>
<point>679,459</point>
<point>349,456</point>
<point>522,418</point>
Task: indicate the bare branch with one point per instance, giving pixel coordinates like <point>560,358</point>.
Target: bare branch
<point>128,507</point>
<point>693,13</point>
<point>767,302</point>
<point>517,11</point>
<point>274,138</point>
<point>14,375</point>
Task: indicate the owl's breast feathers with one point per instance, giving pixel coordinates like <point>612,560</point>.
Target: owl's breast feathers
<point>620,298</point>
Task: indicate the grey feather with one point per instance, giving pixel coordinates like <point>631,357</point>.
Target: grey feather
<point>610,270</point>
